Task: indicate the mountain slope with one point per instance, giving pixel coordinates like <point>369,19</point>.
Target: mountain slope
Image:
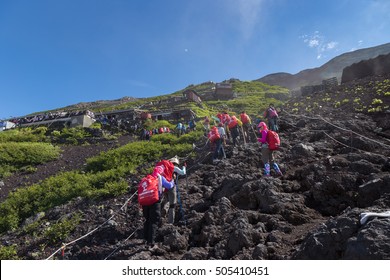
<point>332,68</point>
<point>336,166</point>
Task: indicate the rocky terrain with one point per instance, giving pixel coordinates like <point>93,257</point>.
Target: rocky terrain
<point>336,166</point>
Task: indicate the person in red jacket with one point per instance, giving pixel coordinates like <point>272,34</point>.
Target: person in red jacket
<point>152,213</point>
<point>233,128</point>
<point>246,124</point>
<point>167,169</point>
<point>266,153</point>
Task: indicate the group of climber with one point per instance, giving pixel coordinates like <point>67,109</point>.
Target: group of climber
<point>227,124</point>
<point>157,192</point>
<point>146,134</point>
<point>229,127</point>
<point>181,128</point>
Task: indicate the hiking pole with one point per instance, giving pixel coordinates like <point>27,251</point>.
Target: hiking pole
<point>185,164</point>
<point>243,135</point>
<point>254,133</point>
<point>179,201</point>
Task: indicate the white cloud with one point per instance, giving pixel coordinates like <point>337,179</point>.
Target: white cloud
<point>331,45</point>
<point>319,43</point>
<point>313,43</point>
<point>248,13</point>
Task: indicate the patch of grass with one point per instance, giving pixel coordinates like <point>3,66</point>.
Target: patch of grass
<point>24,135</point>
<point>62,229</point>
<point>105,176</point>
<point>9,253</point>
<point>376,101</point>
<point>23,155</point>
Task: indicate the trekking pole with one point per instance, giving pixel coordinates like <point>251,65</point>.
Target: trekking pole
<point>179,201</point>
<point>254,133</point>
<point>185,164</point>
<point>243,135</point>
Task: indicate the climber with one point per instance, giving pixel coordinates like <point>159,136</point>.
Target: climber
<point>206,123</point>
<point>179,129</point>
<point>192,125</point>
<point>169,169</point>
<point>266,153</point>
<point>246,124</point>
<point>152,211</point>
<point>233,127</point>
<point>272,116</point>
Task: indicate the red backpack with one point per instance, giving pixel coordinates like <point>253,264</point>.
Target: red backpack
<point>273,140</point>
<point>213,135</point>
<point>148,191</point>
<point>165,168</point>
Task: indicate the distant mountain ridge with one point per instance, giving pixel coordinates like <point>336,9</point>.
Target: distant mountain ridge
<point>333,68</point>
<point>314,76</point>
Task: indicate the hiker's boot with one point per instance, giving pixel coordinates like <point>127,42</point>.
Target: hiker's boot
<point>277,169</point>
<point>267,169</point>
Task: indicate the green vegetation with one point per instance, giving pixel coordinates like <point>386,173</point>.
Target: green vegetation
<point>105,176</point>
<point>8,253</point>
<point>253,97</point>
<point>376,101</point>
<point>375,110</point>
<point>22,155</point>
<point>24,135</point>
<point>72,136</point>
<point>61,230</point>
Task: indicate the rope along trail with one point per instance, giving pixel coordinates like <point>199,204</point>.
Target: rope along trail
<point>341,128</point>
<point>90,232</point>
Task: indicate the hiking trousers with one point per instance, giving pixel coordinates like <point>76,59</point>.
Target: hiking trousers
<point>235,133</point>
<point>219,149</point>
<point>169,200</point>
<point>245,128</point>
<point>267,155</point>
<point>152,215</point>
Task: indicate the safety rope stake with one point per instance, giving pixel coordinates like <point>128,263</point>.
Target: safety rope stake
<point>63,250</point>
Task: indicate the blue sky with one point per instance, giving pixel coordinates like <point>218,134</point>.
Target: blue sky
<point>55,53</point>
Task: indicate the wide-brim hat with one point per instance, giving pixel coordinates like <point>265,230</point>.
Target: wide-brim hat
<point>174,160</point>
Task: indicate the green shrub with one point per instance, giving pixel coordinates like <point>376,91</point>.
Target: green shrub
<point>375,110</point>
<point>9,253</point>
<point>56,133</point>
<point>61,230</point>
<point>376,101</point>
<point>22,155</point>
<point>24,135</point>
<point>96,125</point>
<point>150,124</point>
<point>164,138</point>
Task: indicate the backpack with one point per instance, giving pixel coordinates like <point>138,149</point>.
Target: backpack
<point>148,191</point>
<point>272,113</point>
<point>245,118</point>
<point>165,168</point>
<point>233,122</point>
<point>273,140</point>
<point>214,135</point>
